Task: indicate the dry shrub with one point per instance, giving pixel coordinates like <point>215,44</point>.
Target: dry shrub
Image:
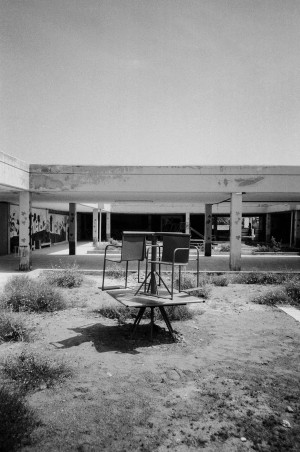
<point>69,276</point>
<point>15,327</point>
<point>29,370</point>
<point>24,294</point>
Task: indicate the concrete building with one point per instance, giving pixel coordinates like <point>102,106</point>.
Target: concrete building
<point>40,204</point>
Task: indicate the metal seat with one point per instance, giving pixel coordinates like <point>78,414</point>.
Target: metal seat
<point>133,248</point>
<point>174,251</point>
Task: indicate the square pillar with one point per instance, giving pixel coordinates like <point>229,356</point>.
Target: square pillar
<point>72,228</point>
<point>100,224</point>
<point>235,231</point>
<point>108,226</point>
<point>215,222</point>
<point>95,226</point>
<point>208,230</point>
<point>296,238</point>
<point>187,223</point>
<point>268,228</point>
<point>25,263</point>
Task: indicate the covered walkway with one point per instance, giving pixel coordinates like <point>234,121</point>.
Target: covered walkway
<point>58,256</point>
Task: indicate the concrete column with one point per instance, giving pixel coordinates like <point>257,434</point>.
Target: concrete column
<point>25,263</point>
<point>95,226</point>
<point>149,222</point>
<point>235,231</point>
<point>296,239</point>
<point>72,228</point>
<point>108,226</point>
<point>208,230</point>
<point>187,223</point>
<point>291,228</point>
<point>268,227</point>
<point>100,224</point>
<point>215,221</point>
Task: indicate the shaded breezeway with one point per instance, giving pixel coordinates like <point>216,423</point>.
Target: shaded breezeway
<point>58,256</point>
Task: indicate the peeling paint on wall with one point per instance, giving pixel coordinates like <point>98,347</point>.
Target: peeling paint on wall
<point>249,181</point>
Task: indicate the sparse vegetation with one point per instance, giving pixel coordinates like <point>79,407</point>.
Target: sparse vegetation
<point>292,288</point>
<point>69,276</point>
<point>115,271</point>
<point>189,281</point>
<point>24,294</point>
<point>220,280</point>
<point>258,278</point>
<point>272,297</point>
<point>17,420</point>
<point>177,313</point>
<point>119,312</point>
<point>273,247</point>
<point>30,370</point>
<point>14,327</point>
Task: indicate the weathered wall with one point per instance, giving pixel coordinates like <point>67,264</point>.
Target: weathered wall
<point>164,179</point>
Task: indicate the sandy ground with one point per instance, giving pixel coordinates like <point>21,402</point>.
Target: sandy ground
<point>228,384</point>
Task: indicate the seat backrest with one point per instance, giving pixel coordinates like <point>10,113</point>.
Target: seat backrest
<point>133,247</point>
<point>173,241</point>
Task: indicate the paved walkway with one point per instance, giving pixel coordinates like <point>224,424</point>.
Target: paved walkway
<point>58,256</point>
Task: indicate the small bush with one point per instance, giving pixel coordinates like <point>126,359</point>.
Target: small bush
<point>24,294</point>
<point>177,313</point>
<point>220,281</point>
<point>31,370</point>
<point>17,420</point>
<point>272,297</point>
<point>14,327</point>
<point>202,292</point>
<point>258,278</point>
<point>69,276</point>
<point>188,281</point>
<point>292,288</point>
<point>121,313</point>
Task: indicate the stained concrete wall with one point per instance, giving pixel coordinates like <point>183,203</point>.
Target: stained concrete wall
<point>187,179</point>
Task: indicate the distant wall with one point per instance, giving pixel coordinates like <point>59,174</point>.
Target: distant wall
<point>45,226</point>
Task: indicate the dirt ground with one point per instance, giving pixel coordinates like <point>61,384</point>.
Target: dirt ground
<point>230,383</point>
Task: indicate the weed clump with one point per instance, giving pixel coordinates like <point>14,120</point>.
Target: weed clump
<point>189,281</point>
<point>17,420</point>
<point>31,370</point>
<point>69,276</point>
<point>272,297</point>
<point>258,278</point>
<point>14,327</point>
<point>120,313</point>
<point>292,288</point>
<point>177,313</point>
<point>24,294</point>
<point>220,280</point>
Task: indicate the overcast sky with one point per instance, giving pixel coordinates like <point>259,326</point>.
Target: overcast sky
<point>151,82</point>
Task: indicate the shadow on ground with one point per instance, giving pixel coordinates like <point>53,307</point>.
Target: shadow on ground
<point>116,337</point>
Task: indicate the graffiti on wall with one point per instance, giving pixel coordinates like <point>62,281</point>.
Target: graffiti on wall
<point>44,226</point>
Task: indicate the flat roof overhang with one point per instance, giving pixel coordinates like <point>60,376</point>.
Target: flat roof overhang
<point>150,189</point>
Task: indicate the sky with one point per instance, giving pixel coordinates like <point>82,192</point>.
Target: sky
<point>150,82</point>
